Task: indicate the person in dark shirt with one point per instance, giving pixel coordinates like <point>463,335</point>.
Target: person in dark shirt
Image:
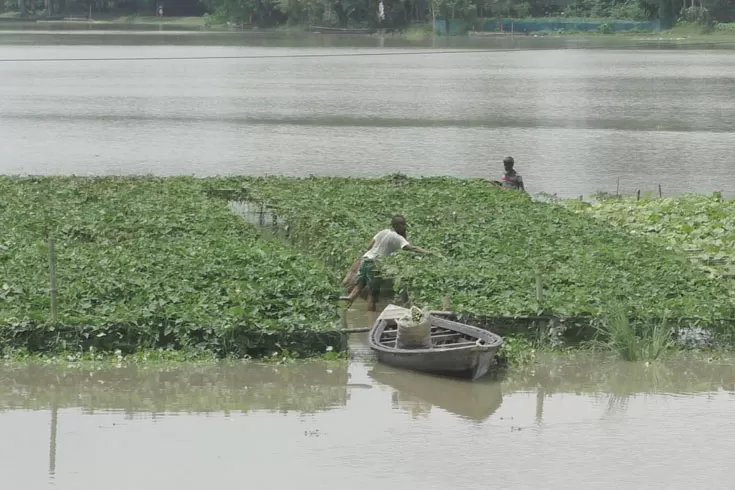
<point>511,179</point>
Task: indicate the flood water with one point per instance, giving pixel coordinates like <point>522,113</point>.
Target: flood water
<point>577,115</point>
<point>569,423</point>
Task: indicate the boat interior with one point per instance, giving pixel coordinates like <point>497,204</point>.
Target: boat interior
<point>440,336</point>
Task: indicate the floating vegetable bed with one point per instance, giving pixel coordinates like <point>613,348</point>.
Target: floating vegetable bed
<point>152,262</point>
<point>502,253</point>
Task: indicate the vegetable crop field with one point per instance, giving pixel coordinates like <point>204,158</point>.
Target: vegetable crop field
<point>146,262</point>
<point>701,226</point>
<point>151,262</point>
<point>493,245</point>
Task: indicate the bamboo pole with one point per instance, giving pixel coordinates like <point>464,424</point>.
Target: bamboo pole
<point>52,270</point>
<point>539,288</point>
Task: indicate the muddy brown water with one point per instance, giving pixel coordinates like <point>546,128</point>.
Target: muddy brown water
<point>577,114</point>
<point>575,421</point>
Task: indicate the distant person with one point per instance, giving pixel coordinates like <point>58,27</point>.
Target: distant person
<point>511,179</point>
<point>383,244</point>
<point>160,10</point>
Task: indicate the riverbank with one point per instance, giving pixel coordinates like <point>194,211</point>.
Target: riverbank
<point>149,263</point>
<point>680,32</point>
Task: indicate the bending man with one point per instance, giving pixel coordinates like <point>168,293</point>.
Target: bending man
<point>382,245</point>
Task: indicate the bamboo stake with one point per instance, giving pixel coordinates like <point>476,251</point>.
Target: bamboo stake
<point>539,288</point>
<point>52,267</point>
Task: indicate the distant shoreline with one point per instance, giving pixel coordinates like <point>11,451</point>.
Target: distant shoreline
<point>185,25</point>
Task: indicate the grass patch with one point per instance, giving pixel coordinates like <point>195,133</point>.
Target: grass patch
<point>146,262</point>
<point>494,243</point>
<point>644,342</point>
<point>418,32</point>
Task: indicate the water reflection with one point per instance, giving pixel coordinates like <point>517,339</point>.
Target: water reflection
<point>306,388</point>
<point>52,439</point>
<point>618,382</point>
<point>417,393</point>
<point>314,386</point>
<point>186,421</point>
<point>587,373</point>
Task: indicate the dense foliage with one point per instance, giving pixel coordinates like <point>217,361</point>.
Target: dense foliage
<point>703,226</point>
<point>82,7</point>
<point>397,14</point>
<point>149,262</point>
<point>493,243</point>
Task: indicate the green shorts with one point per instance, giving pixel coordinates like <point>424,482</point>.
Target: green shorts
<point>368,275</point>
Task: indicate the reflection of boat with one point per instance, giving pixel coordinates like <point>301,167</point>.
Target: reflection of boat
<point>457,349</point>
<point>476,401</point>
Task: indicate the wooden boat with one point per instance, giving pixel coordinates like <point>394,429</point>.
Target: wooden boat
<point>457,350</point>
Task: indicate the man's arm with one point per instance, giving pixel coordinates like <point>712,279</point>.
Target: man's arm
<point>414,248</point>
<point>405,245</point>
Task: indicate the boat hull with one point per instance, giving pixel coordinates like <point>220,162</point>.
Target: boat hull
<point>462,364</point>
<point>469,360</point>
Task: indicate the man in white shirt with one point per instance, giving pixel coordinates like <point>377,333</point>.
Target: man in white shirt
<point>382,245</point>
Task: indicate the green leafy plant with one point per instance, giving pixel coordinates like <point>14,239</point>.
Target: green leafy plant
<point>516,352</point>
<point>145,262</point>
<point>702,226</point>
<point>492,244</point>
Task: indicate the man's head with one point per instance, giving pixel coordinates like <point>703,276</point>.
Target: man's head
<point>508,163</point>
<point>398,223</point>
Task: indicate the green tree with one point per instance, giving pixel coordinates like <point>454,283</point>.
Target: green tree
<point>667,13</point>
<point>451,10</point>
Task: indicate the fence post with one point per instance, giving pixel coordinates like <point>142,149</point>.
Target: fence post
<point>52,267</point>
<point>539,288</point>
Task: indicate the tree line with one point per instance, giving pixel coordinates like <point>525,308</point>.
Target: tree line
<point>394,14</point>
